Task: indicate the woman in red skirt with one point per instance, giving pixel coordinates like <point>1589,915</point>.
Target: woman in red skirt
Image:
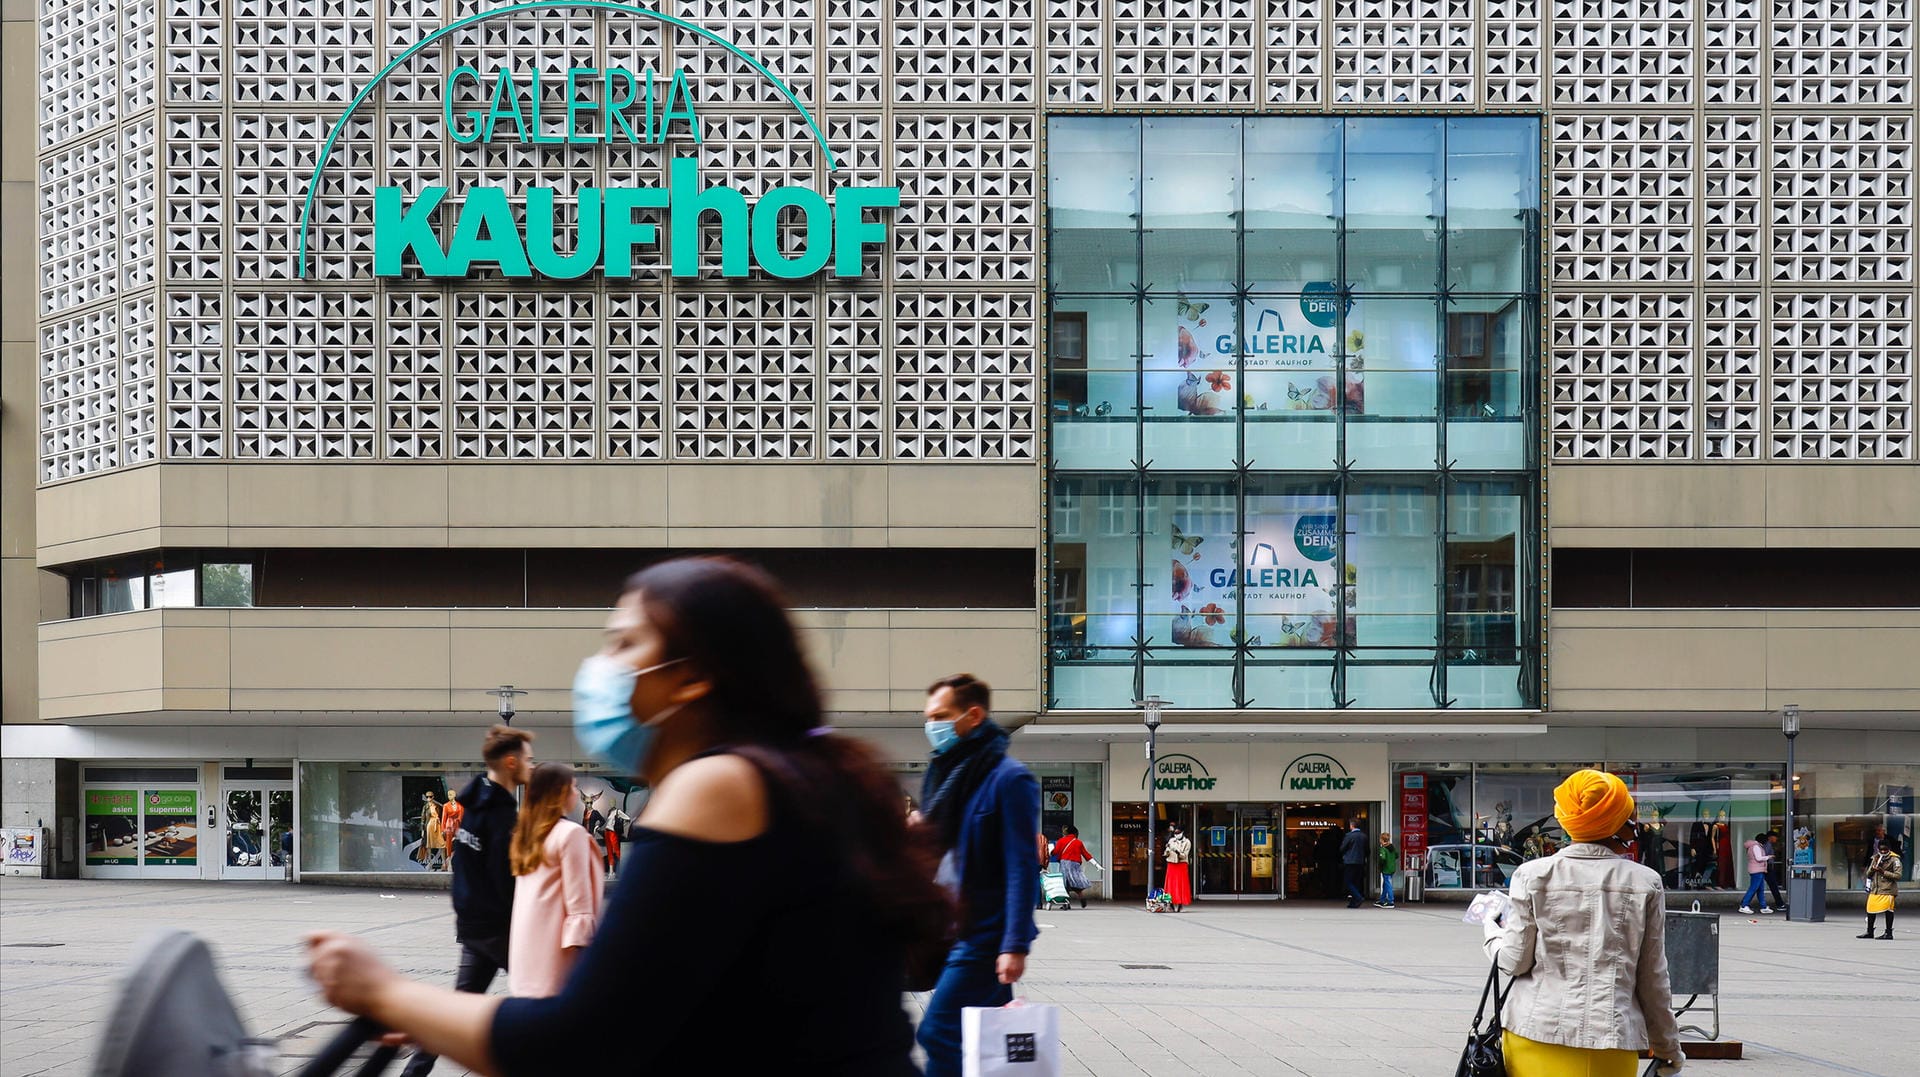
<point>1179,885</point>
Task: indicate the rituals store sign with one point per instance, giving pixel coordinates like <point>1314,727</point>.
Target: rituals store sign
<point>789,232</point>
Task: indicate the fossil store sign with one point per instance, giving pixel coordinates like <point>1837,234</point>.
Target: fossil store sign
<point>789,232</point>
<point>1265,773</point>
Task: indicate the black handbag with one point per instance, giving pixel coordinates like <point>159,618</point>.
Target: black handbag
<point>1484,1056</point>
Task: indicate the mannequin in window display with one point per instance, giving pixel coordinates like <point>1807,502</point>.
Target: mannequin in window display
<point>1653,844</point>
<point>1697,872</point>
<point>433,840</point>
<point>1723,851</point>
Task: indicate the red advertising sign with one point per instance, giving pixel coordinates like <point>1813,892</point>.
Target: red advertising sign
<point>1413,814</point>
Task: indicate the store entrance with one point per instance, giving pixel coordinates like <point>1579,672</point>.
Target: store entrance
<point>1313,834</point>
<point>257,831</point>
<point>1234,847</point>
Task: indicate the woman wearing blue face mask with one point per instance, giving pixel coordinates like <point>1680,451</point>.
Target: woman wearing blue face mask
<point>702,692</point>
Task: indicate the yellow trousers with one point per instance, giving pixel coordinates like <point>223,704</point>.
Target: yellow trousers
<point>1531,1058</point>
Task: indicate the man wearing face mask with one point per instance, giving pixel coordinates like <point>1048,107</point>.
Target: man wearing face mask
<point>482,873</point>
<point>983,808</point>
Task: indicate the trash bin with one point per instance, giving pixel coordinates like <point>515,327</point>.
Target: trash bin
<point>1693,964</point>
<point>1415,877</point>
<point>1807,893</point>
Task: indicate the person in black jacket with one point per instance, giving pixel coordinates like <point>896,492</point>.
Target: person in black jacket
<point>1353,860</point>
<point>482,875</point>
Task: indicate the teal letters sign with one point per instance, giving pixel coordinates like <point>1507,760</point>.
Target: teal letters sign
<point>601,106</point>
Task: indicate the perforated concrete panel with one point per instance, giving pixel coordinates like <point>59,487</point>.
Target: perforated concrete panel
<point>1729,220</point>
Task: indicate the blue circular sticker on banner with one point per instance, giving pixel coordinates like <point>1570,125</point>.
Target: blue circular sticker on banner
<point>1320,303</point>
<point>1313,536</point>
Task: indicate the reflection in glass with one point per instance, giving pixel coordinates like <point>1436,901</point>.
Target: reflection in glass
<point>170,588</point>
<point>1093,202</point>
<point>1191,202</point>
<point>120,594</point>
<point>1394,203</point>
<point>1292,200</point>
<point>246,837</point>
<point>1095,607</point>
<point>1485,519</point>
<point>1095,350</point>
<point>1392,558</point>
<point>229,585</point>
<point>1492,202</point>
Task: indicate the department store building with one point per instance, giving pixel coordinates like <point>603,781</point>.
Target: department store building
<point>1424,398</point>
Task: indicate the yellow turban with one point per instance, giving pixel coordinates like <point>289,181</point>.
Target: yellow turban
<point>1592,805</point>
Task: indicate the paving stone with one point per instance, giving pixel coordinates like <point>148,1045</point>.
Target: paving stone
<point>1259,990</point>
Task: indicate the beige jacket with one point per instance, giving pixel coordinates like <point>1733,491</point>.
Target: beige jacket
<point>1586,944</point>
<point>1179,849</point>
<point>1883,873</point>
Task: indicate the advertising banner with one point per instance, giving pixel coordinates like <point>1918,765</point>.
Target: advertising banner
<point>1286,354</point>
<point>1287,576</point>
<point>1056,804</point>
<point>113,827</point>
<point>1413,814</point>
<point>173,838</point>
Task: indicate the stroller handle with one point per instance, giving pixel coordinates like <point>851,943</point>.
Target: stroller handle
<point>342,1046</point>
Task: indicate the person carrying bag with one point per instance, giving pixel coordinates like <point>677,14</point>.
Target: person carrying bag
<point>1584,939</point>
<point>1020,1039</point>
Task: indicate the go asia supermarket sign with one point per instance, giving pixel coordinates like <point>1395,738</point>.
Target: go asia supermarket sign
<point>599,106</point>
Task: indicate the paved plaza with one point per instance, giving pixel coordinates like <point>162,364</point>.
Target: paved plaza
<point>1223,989</point>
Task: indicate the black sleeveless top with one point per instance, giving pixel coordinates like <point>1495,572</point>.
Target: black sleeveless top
<point>738,958</point>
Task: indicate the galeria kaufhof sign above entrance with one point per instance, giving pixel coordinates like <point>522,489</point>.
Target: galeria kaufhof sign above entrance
<point>600,106</point>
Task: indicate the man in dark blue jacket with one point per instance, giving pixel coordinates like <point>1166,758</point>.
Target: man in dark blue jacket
<point>1353,861</point>
<point>984,808</point>
<point>482,872</point>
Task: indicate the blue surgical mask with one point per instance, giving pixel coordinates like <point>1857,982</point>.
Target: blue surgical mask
<point>941,736</point>
<point>603,718</point>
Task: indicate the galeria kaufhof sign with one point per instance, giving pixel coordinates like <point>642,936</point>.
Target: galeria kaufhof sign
<point>600,106</point>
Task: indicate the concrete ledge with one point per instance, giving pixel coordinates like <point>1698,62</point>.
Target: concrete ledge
<point>383,880</point>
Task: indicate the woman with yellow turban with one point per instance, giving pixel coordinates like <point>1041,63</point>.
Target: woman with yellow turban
<point>1577,1009</point>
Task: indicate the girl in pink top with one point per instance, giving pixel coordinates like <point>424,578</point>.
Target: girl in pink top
<point>556,900</point>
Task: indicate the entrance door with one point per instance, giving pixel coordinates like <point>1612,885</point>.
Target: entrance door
<point>257,830</point>
<point>1234,847</point>
<point>1313,833</point>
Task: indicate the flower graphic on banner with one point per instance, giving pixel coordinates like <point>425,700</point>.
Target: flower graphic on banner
<point>1213,614</point>
<point>1220,381</point>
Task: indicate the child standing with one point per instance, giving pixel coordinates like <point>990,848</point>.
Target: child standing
<point>1389,867</point>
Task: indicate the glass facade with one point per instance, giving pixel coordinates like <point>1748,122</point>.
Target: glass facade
<point>1292,373</point>
<point>1475,822</point>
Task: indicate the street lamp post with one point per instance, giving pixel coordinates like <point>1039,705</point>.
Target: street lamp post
<point>1789,725</point>
<point>1150,708</point>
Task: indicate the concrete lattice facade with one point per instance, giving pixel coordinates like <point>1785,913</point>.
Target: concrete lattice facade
<point>1730,223</point>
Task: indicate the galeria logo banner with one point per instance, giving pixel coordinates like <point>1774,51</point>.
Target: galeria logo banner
<point>601,106</point>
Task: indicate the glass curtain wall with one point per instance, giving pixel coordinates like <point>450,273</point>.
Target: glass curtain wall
<point>1292,391</point>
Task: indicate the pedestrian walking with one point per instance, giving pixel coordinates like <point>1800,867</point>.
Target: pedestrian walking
<point>1179,855</point>
<point>1584,939</point>
<point>1883,885</point>
<point>1389,863</point>
<point>1759,874</point>
<point>981,807</point>
<point>557,896</point>
<point>1353,863</point>
<point>483,867</point>
<point>771,857</point>
<point>1074,856</point>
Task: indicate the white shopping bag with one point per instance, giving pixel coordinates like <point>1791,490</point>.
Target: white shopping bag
<point>1020,1039</point>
